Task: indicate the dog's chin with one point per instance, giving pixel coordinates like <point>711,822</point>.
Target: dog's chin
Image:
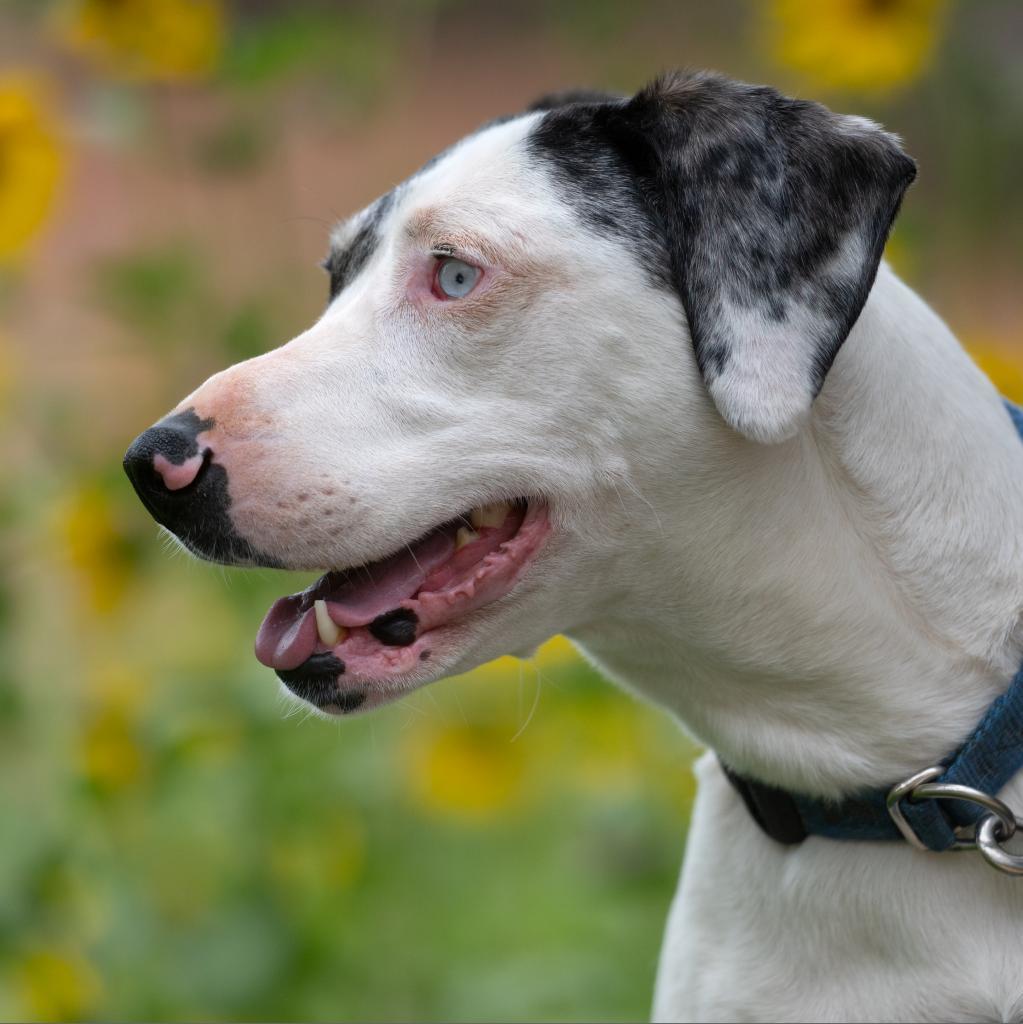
<point>363,636</point>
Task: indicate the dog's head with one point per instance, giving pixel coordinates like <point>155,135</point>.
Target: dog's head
<point>536,326</point>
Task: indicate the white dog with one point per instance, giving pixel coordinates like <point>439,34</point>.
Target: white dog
<point>629,370</point>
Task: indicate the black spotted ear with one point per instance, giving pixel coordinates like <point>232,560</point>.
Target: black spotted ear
<point>775,214</point>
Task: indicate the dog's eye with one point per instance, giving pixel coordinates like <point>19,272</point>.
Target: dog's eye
<point>454,278</point>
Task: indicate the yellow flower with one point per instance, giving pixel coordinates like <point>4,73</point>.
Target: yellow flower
<point>30,162</point>
<point>114,683</point>
<point>95,548</point>
<point>58,985</point>
<point>557,653</point>
<point>465,771</point>
<point>154,40</point>
<point>1003,363</point>
<point>109,753</point>
<point>855,45</point>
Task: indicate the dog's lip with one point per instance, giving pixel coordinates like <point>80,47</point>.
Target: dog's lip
<point>428,616</point>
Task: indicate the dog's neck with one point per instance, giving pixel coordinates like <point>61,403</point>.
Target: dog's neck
<point>841,607</point>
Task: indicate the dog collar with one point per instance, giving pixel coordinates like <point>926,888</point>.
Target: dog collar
<point>944,807</point>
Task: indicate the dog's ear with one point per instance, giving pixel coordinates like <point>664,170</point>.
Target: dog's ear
<point>775,213</point>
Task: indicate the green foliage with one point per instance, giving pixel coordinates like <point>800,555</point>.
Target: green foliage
<point>235,147</point>
<point>348,43</point>
<point>154,290</point>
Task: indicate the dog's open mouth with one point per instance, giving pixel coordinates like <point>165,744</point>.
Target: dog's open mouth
<point>379,620</point>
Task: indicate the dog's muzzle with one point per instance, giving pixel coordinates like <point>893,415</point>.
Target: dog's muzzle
<point>179,481</point>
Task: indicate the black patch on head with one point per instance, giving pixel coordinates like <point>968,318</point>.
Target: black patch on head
<point>344,264</point>
<point>762,209</point>
<point>315,680</point>
<point>575,139</point>
<point>198,515</point>
<point>395,629</point>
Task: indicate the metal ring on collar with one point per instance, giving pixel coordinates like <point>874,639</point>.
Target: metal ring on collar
<point>921,786</point>
<point>954,791</point>
<point>989,840</point>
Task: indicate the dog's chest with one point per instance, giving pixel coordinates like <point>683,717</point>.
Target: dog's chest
<point>833,931</point>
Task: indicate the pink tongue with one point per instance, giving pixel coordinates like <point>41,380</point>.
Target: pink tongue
<point>288,635</point>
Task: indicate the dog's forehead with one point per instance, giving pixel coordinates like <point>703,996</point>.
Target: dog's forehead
<point>488,166</point>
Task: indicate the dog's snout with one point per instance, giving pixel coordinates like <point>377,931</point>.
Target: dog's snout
<point>174,471</point>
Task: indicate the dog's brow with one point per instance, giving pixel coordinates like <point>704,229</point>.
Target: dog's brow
<point>360,234</point>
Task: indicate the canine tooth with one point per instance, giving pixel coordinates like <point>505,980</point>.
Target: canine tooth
<point>465,536</point>
<point>490,515</point>
<point>330,633</point>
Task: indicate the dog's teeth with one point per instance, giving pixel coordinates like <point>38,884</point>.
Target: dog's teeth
<point>490,515</point>
<point>330,633</point>
<point>465,536</point>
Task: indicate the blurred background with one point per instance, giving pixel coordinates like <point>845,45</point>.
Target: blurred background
<point>175,841</point>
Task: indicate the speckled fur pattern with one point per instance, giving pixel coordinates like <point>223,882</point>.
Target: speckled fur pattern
<point>771,214</point>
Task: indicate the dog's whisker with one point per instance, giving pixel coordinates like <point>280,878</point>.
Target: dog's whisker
<point>536,703</point>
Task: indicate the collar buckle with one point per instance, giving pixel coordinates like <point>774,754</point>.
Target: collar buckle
<point>987,834</point>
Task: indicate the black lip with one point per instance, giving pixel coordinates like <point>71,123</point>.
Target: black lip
<point>347,702</point>
<point>315,681</point>
<point>395,629</point>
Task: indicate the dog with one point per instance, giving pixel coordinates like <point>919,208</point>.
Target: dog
<point>634,370</point>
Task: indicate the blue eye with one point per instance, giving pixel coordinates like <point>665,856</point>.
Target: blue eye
<point>455,278</point>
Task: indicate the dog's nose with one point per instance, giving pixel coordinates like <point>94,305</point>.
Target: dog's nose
<point>174,470</point>
<point>167,467</point>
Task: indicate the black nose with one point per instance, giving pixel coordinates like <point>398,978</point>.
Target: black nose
<point>185,490</point>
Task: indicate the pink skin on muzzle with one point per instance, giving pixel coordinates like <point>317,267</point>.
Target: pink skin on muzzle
<point>177,477</point>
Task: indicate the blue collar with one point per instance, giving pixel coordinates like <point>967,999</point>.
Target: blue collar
<point>990,756</point>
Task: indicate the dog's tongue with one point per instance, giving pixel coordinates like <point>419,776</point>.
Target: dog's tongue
<point>288,635</point>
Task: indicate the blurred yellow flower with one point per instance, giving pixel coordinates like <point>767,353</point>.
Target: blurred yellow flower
<point>116,684</point>
<point>154,40</point>
<point>109,753</point>
<point>855,45</point>
<point>556,653</point>
<point>1003,363</point>
<point>464,771</point>
<point>95,547</point>
<point>31,161</point>
<point>58,985</point>
<point>613,752</point>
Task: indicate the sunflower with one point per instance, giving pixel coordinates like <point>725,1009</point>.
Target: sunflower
<point>866,46</point>
<point>151,40</point>
<point>468,771</point>
<point>30,162</point>
<point>57,984</point>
